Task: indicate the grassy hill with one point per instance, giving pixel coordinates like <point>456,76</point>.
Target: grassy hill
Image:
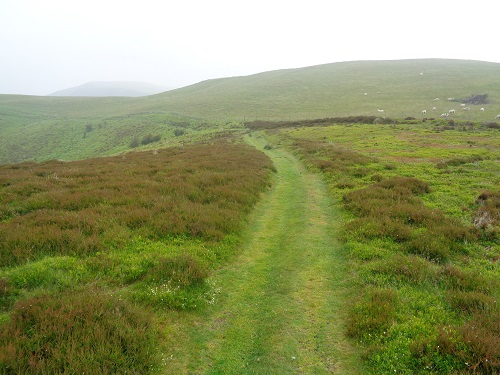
<point>338,90</point>
<point>42,128</point>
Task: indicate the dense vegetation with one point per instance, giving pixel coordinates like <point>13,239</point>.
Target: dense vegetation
<point>423,240</point>
<point>90,249</point>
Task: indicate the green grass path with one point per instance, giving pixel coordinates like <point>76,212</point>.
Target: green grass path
<point>282,301</point>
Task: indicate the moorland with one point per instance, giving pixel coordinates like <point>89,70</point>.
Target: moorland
<point>311,220</point>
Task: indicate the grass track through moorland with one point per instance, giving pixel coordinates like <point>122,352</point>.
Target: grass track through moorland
<point>282,301</point>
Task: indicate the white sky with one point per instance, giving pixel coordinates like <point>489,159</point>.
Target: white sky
<point>49,45</point>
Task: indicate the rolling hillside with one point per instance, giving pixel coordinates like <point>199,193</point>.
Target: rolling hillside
<point>42,128</point>
<point>338,89</point>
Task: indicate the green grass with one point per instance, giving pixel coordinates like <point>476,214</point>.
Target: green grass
<point>412,237</point>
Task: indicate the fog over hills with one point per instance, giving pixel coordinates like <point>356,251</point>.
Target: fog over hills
<point>132,89</point>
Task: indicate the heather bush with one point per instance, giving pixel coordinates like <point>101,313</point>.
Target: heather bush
<point>183,271</point>
<point>476,343</point>
<point>429,245</point>
<point>470,301</point>
<point>407,268</point>
<point>84,207</point>
<point>85,332</point>
<point>372,314</point>
<point>459,279</point>
<point>7,294</point>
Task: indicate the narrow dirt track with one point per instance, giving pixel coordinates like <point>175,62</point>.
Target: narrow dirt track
<point>282,300</point>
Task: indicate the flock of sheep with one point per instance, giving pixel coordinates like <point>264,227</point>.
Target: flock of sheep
<point>446,114</point>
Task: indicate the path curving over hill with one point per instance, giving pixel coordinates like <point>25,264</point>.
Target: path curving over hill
<point>282,300</point>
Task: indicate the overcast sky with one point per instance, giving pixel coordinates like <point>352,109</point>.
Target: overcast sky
<point>49,45</point>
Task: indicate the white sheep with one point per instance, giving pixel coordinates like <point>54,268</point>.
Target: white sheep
<point>462,105</point>
<point>482,109</point>
<point>451,111</point>
<point>380,110</point>
<point>444,115</point>
<point>466,109</point>
<point>436,99</point>
<point>424,112</point>
<point>433,108</point>
<point>497,117</point>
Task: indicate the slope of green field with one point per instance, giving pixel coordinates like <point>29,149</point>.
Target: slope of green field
<point>43,128</point>
<point>339,89</point>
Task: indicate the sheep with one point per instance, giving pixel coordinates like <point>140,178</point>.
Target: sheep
<point>444,115</point>
<point>451,111</point>
<point>436,99</point>
<point>482,109</point>
<point>462,105</point>
<point>451,99</point>
<point>424,112</point>
<point>380,110</point>
<point>497,117</point>
<point>433,108</point>
<point>466,109</point>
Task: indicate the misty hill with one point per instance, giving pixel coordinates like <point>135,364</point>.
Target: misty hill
<point>56,127</point>
<point>133,89</point>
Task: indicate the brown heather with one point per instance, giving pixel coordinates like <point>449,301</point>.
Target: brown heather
<point>83,207</point>
<point>82,332</point>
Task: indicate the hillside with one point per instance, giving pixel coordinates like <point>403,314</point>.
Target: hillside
<point>42,128</point>
<point>133,89</point>
<point>339,89</point>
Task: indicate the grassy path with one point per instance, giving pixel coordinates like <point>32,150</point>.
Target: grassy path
<point>282,301</point>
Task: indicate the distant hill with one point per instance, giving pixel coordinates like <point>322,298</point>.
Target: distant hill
<point>50,127</point>
<point>132,89</point>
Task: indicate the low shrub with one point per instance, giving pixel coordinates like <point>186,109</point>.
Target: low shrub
<point>411,184</point>
<point>407,268</point>
<point>470,301</point>
<point>430,246</point>
<point>200,191</point>
<point>86,332</point>
<point>458,279</point>
<point>7,294</point>
<point>372,314</point>
<point>368,228</point>
<point>182,271</point>
<point>476,344</point>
